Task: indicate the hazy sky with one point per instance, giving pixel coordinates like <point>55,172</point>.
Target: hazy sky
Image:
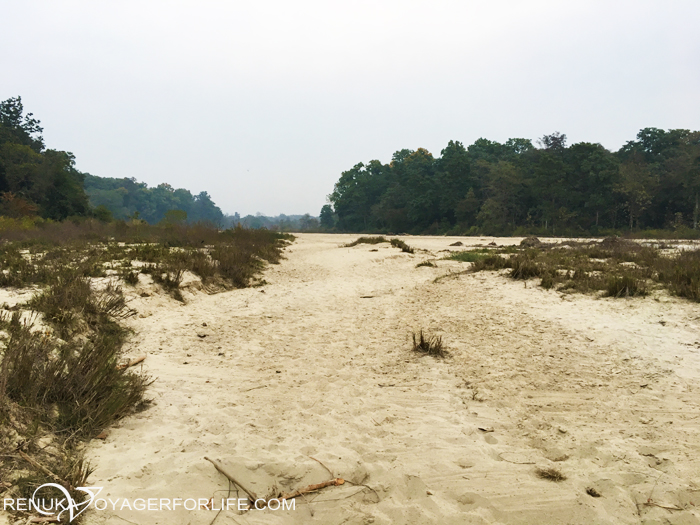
<point>264,104</point>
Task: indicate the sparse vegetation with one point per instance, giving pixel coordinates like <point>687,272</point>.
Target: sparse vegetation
<point>615,267</point>
<point>431,345</point>
<point>60,377</point>
<point>366,240</point>
<point>396,243</point>
<point>429,264</point>
<point>466,256</point>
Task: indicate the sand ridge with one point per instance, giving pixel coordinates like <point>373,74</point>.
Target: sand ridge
<point>316,364</point>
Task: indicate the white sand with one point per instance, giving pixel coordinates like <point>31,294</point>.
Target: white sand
<point>318,364</point>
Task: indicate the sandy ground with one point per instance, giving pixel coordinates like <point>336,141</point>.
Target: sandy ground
<point>314,371</point>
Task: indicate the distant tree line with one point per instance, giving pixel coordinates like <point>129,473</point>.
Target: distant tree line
<point>35,181</point>
<point>492,188</point>
<point>282,223</point>
<point>127,198</point>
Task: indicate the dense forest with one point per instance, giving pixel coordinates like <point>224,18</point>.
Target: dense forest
<point>652,182</point>
<point>127,198</point>
<point>35,181</point>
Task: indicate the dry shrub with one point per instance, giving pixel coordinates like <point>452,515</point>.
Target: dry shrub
<point>398,243</point>
<point>625,286</point>
<point>550,474</point>
<point>366,240</point>
<point>431,345</point>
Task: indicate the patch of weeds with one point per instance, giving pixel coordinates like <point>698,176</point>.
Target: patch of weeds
<point>431,345</point>
<point>625,286</point>
<point>398,243</point>
<point>366,240</point>
<point>491,262</point>
<point>130,277</point>
<point>547,281</point>
<point>550,474</point>
<point>429,264</point>
<point>470,256</point>
<point>524,267</point>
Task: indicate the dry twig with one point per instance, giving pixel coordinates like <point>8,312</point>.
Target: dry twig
<point>218,466</point>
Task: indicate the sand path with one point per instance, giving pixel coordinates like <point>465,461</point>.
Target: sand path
<point>316,364</point>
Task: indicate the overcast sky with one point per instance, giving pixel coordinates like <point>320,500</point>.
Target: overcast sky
<point>263,104</point>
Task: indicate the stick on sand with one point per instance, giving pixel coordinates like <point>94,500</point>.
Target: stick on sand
<point>218,466</point>
<point>132,362</point>
<point>312,488</point>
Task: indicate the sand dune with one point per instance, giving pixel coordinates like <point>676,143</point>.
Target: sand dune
<point>314,371</point>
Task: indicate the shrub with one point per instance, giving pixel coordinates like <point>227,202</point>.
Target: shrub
<point>366,240</point>
<point>624,286</point>
<point>398,243</point>
<point>428,345</point>
<point>524,268</point>
<point>466,256</point>
<point>550,474</point>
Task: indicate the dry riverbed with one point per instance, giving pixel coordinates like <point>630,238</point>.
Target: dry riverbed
<point>313,373</point>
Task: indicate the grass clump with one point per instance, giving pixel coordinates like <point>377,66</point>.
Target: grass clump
<point>470,256</point>
<point>431,345</point>
<point>429,264</point>
<point>625,286</point>
<point>398,243</point>
<point>550,474</point>
<point>366,240</point>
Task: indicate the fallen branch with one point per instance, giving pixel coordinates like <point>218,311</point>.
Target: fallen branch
<point>218,466</point>
<point>46,471</point>
<point>312,488</point>
<point>45,519</point>
<point>131,362</point>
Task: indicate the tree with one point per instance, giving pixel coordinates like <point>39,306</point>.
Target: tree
<point>18,128</point>
<point>326,217</point>
<point>556,141</point>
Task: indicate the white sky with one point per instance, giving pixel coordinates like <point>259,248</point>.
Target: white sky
<point>263,104</point>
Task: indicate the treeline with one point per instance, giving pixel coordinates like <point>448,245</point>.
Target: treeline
<point>127,198</point>
<point>281,223</point>
<point>39,182</point>
<point>35,180</point>
<point>652,182</point>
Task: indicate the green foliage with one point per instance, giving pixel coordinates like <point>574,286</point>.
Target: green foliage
<point>126,197</point>
<point>466,256</point>
<point>326,217</point>
<point>500,189</point>
<point>33,180</point>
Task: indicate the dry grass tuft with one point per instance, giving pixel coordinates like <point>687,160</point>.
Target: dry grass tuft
<point>550,474</point>
<point>428,345</point>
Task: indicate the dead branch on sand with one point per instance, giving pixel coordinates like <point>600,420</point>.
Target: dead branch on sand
<point>312,488</point>
<point>131,362</point>
<point>218,466</point>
